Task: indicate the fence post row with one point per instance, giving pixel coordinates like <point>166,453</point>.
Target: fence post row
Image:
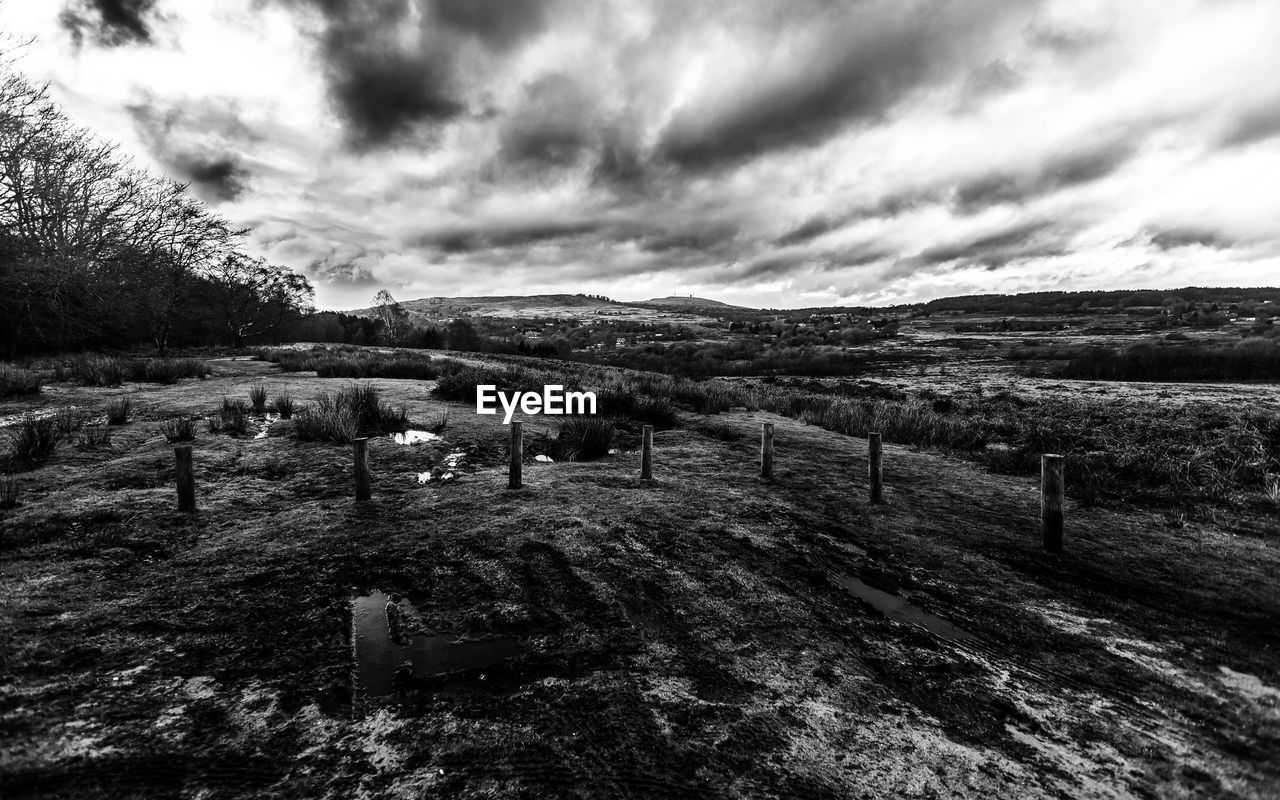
<point>186,478</point>
<point>360,451</point>
<point>517,451</point>
<point>875,467</point>
<point>766,451</point>
<point>646,454</point>
<point>1051,495</point>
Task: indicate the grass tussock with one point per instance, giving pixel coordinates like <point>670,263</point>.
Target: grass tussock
<point>113,371</point>
<point>119,410</point>
<point>353,411</point>
<point>68,420</point>
<point>94,437</point>
<point>360,365</point>
<point>8,491</point>
<point>283,405</point>
<point>585,438</point>
<point>16,382</point>
<point>232,418</point>
<point>32,440</point>
<point>180,429</point>
<point>258,398</point>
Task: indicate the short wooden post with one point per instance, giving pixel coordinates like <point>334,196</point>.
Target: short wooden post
<point>186,478</point>
<point>766,451</point>
<point>517,453</point>
<point>1052,489</point>
<point>646,454</point>
<point>360,450</point>
<point>875,467</point>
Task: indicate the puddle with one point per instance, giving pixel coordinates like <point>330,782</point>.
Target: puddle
<point>898,609</point>
<point>380,653</point>
<point>416,437</point>
<point>266,425</point>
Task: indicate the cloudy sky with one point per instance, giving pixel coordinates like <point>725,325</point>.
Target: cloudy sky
<point>763,152</point>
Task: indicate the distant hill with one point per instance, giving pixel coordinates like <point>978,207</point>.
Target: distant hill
<point>556,306</point>
<point>686,302</point>
<point>1073,302</point>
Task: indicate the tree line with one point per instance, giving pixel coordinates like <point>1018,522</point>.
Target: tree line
<point>98,254</point>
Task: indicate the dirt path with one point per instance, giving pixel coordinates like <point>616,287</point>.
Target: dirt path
<point>693,637</point>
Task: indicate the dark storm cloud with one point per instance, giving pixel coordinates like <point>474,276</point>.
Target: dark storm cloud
<point>709,237</point>
<point>216,179</point>
<point>1035,239</point>
<point>502,235</point>
<point>1060,172</point>
<point>109,23</point>
<point>552,126</point>
<point>866,59</point>
<point>383,84</point>
<point>197,143</point>
<point>337,270</point>
<point>1174,238</point>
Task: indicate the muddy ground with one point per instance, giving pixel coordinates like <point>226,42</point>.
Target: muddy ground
<point>690,637</point>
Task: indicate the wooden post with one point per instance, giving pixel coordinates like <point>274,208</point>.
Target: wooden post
<point>875,467</point>
<point>517,453</point>
<point>186,479</point>
<point>766,451</point>
<point>646,454</point>
<point>360,450</point>
<point>1051,494</point>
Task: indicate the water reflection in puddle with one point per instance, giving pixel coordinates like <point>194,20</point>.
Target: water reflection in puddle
<point>415,437</point>
<point>898,609</point>
<point>266,425</point>
<point>383,649</point>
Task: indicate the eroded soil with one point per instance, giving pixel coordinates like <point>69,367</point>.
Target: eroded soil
<point>689,637</point>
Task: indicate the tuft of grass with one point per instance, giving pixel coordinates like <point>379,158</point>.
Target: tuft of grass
<point>283,404</point>
<point>33,440</point>
<point>325,424</point>
<point>585,438</point>
<point>8,491</point>
<point>352,411</point>
<point>275,468</point>
<point>15,382</point>
<point>232,418</point>
<point>93,437</point>
<point>112,371</point>
<point>69,420</point>
<point>1271,488</point>
<point>438,424</point>
<point>258,398</point>
<point>180,429</point>
<point>118,411</point>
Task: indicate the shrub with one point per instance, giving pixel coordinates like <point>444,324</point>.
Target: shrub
<point>15,382</point>
<point>33,439</point>
<point>118,411</point>
<point>93,437</point>
<point>180,429</point>
<point>258,398</point>
<point>8,491</point>
<point>585,438</point>
<point>283,404</point>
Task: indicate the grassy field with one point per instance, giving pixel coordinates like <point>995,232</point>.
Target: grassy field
<point>704,634</point>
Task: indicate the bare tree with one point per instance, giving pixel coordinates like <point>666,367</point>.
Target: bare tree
<point>394,319</point>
